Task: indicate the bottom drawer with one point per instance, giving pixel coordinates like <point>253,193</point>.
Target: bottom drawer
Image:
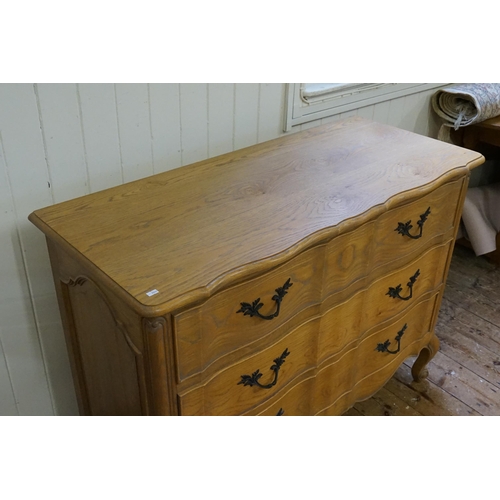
<point>357,374</point>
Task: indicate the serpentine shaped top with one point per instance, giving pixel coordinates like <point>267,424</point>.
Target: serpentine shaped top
<point>179,236</point>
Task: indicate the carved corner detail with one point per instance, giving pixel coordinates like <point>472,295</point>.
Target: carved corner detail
<point>155,325</point>
<point>79,280</point>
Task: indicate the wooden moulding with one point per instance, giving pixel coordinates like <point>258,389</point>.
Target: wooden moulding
<point>195,230</point>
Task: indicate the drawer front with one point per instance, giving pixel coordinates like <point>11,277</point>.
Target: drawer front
<point>347,321</point>
<point>343,323</point>
<point>358,373</point>
<point>417,225</point>
<point>238,388</point>
<point>231,392</point>
<point>392,294</point>
<point>377,247</point>
<point>219,326</point>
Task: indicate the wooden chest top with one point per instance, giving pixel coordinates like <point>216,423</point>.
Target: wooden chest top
<point>189,232</point>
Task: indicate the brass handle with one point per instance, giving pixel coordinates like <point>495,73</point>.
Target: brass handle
<point>394,292</point>
<point>253,379</point>
<point>385,346</point>
<point>404,227</point>
<point>253,308</point>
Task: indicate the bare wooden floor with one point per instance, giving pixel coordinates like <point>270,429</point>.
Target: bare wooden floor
<point>464,376</point>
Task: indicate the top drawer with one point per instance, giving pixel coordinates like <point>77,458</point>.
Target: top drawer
<point>388,242</point>
<point>408,229</point>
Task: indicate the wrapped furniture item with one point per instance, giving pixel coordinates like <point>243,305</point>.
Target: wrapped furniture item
<point>474,106</point>
<point>481,217</point>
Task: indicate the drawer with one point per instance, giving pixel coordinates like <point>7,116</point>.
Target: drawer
<point>215,328</point>
<point>232,392</point>
<point>347,321</point>
<point>358,373</point>
<point>410,228</point>
<point>376,247</point>
<point>392,294</point>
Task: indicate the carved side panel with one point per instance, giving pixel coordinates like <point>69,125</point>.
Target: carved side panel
<point>108,366</point>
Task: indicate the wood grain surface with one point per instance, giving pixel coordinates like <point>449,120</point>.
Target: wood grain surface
<point>464,376</point>
<point>191,231</point>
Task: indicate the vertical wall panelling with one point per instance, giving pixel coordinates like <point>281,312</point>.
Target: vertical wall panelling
<point>134,130</point>
<point>8,275</point>
<point>8,405</point>
<point>366,112</point>
<point>100,134</point>
<point>194,122</point>
<point>381,112</point>
<point>412,113</point>
<point>246,109</point>
<point>61,128</point>
<point>415,113</point>
<point>220,118</point>
<point>271,104</point>
<point>23,249</point>
<point>165,125</point>
<point>58,141</point>
<point>62,133</point>
<point>348,114</point>
<point>394,115</point>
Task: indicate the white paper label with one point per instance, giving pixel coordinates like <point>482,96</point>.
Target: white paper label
<point>152,292</point>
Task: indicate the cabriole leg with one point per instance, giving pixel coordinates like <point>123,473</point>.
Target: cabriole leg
<point>426,354</point>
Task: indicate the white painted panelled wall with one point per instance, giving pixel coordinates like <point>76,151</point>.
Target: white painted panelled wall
<point>60,141</point>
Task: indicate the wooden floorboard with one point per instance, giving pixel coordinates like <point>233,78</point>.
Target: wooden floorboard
<point>464,376</point>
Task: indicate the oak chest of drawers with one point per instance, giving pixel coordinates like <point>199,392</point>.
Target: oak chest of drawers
<point>292,277</point>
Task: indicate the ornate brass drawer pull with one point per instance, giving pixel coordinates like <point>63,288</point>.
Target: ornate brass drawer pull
<point>253,379</point>
<point>253,308</point>
<point>394,292</point>
<point>385,346</point>
<point>404,227</point>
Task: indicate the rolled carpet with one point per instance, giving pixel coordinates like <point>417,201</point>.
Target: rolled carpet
<point>464,104</point>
